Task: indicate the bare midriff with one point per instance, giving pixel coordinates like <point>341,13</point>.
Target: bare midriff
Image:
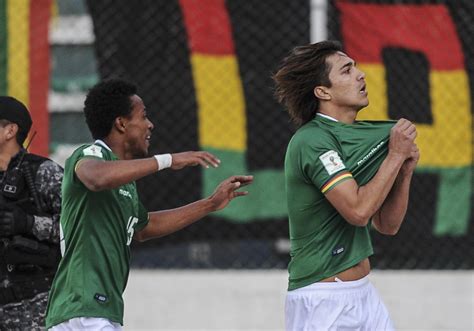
<point>360,270</point>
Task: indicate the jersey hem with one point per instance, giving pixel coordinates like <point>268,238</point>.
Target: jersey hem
<point>57,321</point>
<point>317,278</point>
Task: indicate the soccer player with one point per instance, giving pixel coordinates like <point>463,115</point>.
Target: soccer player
<point>342,177</point>
<point>102,212</point>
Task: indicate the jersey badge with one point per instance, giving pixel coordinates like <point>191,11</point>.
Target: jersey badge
<point>93,150</point>
<point>332,162</point>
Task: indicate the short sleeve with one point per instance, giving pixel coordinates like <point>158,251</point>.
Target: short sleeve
<point>323,164</point>
<point>85,152</point>
<point>92,151</point>
<point>142,217</point>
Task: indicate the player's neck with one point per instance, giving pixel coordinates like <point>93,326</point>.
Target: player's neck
<point>116,145</point>
<point>343,115</point>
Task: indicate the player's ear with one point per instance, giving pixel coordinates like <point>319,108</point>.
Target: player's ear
<point>119,124</point>
<point>322,93</point>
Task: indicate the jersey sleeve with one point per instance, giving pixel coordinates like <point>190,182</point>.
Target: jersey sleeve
<point>142,217</point>
<point>85,152</point>
<point>323,164</point>
<point>92,151</point>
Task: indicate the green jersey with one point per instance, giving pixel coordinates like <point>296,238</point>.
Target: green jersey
<point>322,154</point>
<point>97,228</point>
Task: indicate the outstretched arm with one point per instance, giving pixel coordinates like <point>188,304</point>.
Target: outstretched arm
<point>389,217</point>
<point>98,175</point>
<point>162,223</point>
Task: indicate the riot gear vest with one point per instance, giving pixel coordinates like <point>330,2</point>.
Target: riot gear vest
<point>27,265</point>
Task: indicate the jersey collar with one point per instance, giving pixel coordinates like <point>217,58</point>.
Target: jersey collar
<point>327,116</point>
<point>102,143</point>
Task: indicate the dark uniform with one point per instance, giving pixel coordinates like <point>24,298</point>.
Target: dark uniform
<point>28,261</point>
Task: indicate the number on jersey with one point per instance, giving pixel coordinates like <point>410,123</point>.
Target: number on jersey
<point>130,230</point>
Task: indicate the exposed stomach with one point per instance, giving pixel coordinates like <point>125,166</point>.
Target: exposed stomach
<point>358,271</point>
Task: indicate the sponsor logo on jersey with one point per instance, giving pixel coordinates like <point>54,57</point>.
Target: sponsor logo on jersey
<point>338,250</point>
<point>372,152</point>
<point>93,150</point>
<point>332,162</point>
<point>100,298</point>
<point>125,193</point>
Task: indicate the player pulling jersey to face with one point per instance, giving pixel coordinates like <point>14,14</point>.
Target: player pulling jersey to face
<point>342,177</point>
<point>321,155</point>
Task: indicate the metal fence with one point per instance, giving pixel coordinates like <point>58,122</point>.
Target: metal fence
<point>203,68</point>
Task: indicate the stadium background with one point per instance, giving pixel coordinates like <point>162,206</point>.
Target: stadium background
<point>203,68</point>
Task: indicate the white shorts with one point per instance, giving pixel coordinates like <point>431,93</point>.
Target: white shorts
<point>351,305</point>
<point>87,323</point>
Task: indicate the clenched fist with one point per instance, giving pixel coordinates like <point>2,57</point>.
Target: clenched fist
<point>402,138</point>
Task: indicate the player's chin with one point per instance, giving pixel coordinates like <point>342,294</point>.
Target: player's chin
<point>364,103</point>
<point>362,106</point>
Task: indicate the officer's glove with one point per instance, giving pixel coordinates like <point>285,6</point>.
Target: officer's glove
<point>14,220</point>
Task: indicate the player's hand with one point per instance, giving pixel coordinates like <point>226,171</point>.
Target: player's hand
<point>402,138</point>
<point>227,190</point>
<point>14,220</point>
<point>185,159</point>
<point>410,164</point>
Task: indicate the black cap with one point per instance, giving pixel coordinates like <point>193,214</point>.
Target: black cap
<point>14,111</point>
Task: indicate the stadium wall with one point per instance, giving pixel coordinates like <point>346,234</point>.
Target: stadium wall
<point>254,300</point>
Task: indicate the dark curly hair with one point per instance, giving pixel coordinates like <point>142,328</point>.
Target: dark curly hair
<point>299,73</point>
<point>105,102</point>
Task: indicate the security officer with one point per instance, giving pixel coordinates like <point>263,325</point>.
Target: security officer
<point>30,203</point>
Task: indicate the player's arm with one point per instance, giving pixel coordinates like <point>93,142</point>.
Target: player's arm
<point>389,218</point>
<point>357,204</point>
<point>98,175</point>
<point>162,223</point>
